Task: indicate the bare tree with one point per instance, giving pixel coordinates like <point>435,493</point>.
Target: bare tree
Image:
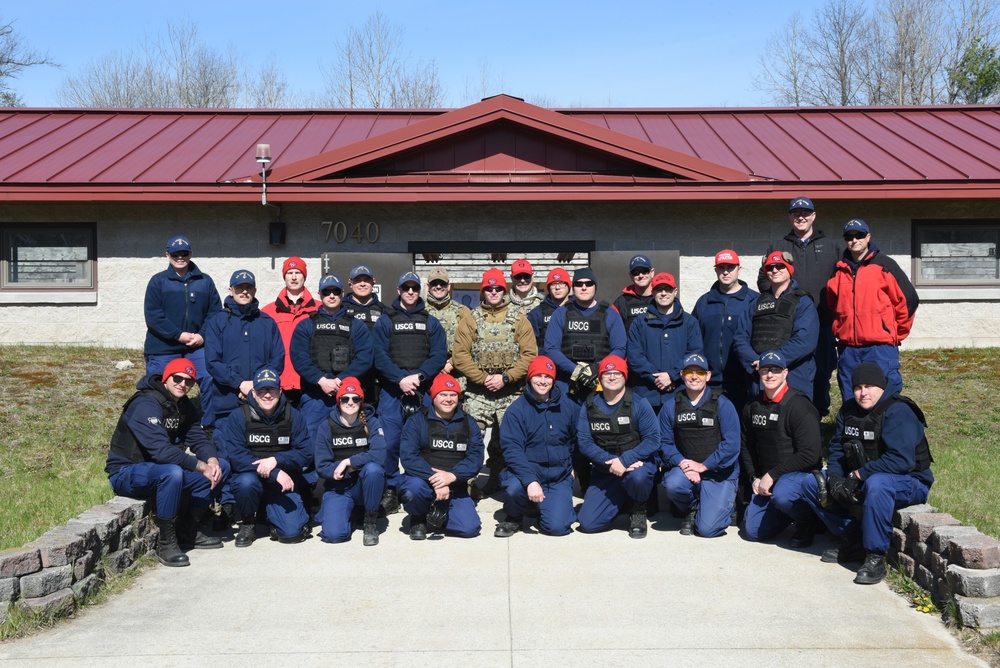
<point>973,26</point>
<point>14,57</point>
<point>269,88</point>
<point>783,65</point>
<point>832,76</point>
<point>486,84</point>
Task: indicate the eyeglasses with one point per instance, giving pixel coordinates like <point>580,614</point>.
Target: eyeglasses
<point>854,236</point>
<point>182,380</point>
<point>267,392</point>
<point>613,374</point>
<point>770,371</point>
<point>437,284</point>
<point>800,213</point>
<point>332,291</point>
<point>410,288</point>
<point>701,373</point>
<point>523,277</point>
<point>243,287</point>
<point>180,255</point>
<point>493,288</point>
<point>583,284</point>
<point>640,271</point>
<point>771,268</point>
<point>350,399</point>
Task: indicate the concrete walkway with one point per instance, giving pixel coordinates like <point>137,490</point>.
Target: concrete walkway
<point>531,600</point>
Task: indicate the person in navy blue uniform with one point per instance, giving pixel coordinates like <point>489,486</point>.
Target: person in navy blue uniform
<point>328,347</point>
<point>148,458</point>
<point>638,294</point>
<point>879,461</point>
<point>700,443</point>
<point>350,449</point>
<point>538,437</point>
<point>268,447</point>
<point>411,348</point>
<point>658,342</point>
<point>179,301</point>
<point>718,314</point>
<point>441,450</point>
<point>556,294</point>
<point>362,303</point>
<point>618,432</point>
<point>780,449</point>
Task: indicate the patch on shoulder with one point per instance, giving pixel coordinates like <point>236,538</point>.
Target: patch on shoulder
<point>153,420</point>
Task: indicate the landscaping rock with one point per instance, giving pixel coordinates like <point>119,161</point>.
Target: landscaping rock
<point>59,547</point>
<point>84,566</point>
<point>923,577</point>
<point>938,540</point>
<point>55,604</point>
<point>83,588</point>
<point>19,561</point>
<point>906,563</point>
<point>47,581</point>
<point>118,561</point>
<point>901,518</point>
<point>898,541</point>
<point>975,551</point>
<point>9,590</point>
<point>981,613</point>
<point>974,582</point>
<point>923,524</point>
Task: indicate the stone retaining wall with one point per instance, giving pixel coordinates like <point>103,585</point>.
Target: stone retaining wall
<point>55,573</point>
<point>950,561</point>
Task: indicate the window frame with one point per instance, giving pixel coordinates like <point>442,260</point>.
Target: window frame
<point>920,226</point>
<point>7,230</point>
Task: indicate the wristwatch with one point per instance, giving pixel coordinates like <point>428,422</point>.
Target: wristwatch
<point>505,378</point>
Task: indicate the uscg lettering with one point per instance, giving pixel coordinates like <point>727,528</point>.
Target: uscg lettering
<point>258,438</point>
<point>600,426</point>
<point>172,423</point>
<point>687,416</point>
<point>447,444</point>
<point>851,431</point>
<point>578,325</point>
<point>347,440</point>
<point>766,306</point>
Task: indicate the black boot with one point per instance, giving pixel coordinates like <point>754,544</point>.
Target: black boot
<point>637,529</point>
<point>390,501</point>
<point>873,570</point>
<point>248,531</point>
<point>849,551</point>
<point>508,527</point>
<point>805,530</point>
<point>418,527</point>
<point>687,524</point>
<point>168,552</point>
<point>190,535</point>
<point>371,531</point>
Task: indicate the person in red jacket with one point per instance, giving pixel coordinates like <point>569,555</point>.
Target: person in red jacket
<point>292,305</point>
<point>873,304</point>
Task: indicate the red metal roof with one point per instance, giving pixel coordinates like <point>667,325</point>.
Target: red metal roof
<point>500,149</point>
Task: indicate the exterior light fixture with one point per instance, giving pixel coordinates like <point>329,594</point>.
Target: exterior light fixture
<point>264,159</point>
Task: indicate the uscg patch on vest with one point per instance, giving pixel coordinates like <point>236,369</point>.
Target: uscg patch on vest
<point>766,306</point>
<point>578,326</point>
<point>624,419</point>
<point>869,436</point>
<point>600,426</point>
<point>284,440</point>
<point>687,416</point>
<point>172,423</point>
<point>708,422</point>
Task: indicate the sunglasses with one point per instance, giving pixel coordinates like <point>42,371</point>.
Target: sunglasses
<point>182,380</point>
<point>523,277</point>
<point>701,373</point>
<point>410,288</point>
<point>583,284</point>
<point>640,272</point>
<point>437,284</point>
<point>332,291</point>
<point>771,371</point>
<point>350,399</point>
<point>801,213</point>
<point>493,288</point>
<point>267,392</point>
<point>774,267</point>
<point>180,254</point>
<point>854,236</point>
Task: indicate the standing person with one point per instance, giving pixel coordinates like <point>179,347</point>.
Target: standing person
<point>659,341</point>
<point>239,341</point>
<point>493,347</point>
<point>700,445</point>
<point>328,347</point>
<point>814,255</point>
<point>718,313</point>
<point>447,311</point>
<point>879,461</point>
<point>268,447</point>
<point>618,432</point>
<point>783,319</point>
<point>441,450</point>
<point>410,350</point>
<point>557,293</point>
<point>638,295</point>
<point>873,303</point>
<point>350,449</point>
<point>362,303</point>
<point>293,303</point>
<point>148,458</point>
<point>179,301</point>
<point>524,296</point>
<point>779,449</point>
<point>538,436</point>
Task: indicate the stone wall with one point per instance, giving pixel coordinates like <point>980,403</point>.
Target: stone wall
<point>951,561</point>
<point>52,575</point>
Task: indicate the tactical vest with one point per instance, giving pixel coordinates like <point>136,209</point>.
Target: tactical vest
<point>445,450</point>
<point>772,443</point>
<point>175,417</point>
<point>409,338</point>
<point>369,315</point>
<point>586,338</point>
<point>495,349</point>
<point>448,317</point>
<point>547,311</point>
<point>617,432</point>
<point>347,441</point>
<point>635,306</point>
<point>266,440</point>
<point>332,348</point>
<point>697,433</point>
<point>774,320</point>
<point>867,429</point>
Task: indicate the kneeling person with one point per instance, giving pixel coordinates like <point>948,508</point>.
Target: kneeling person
<point>441,449</point>
<point>350,449</point>
<point>700,441</point>
<point>148,458</point>
<point>268,445</point>
<point>537,437</point>
<point>617,431</point>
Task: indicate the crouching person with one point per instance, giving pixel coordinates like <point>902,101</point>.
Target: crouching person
<point>700,443</point>
<point>441,449</point>
<point>537,438</point>
<point>148,459</point>
<point>879,461</point>
<point>350,448</point>
<point>268,446</point>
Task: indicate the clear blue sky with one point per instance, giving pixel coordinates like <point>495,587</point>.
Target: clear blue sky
<point>638,53</point>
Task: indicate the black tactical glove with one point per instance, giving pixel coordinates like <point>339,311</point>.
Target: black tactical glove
<point>842,489</point>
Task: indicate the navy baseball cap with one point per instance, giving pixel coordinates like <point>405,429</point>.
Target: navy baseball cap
<point>695,360</point>
<point>178,243</point>
<point>266,377</point>
<point>408,277</point>
<point>801,203</point>
<point>362,270</point>
<point>242,276</point>
<point>330,281</point>
<point>856,225</point>
<point>772,358</point>
<point>639,262</point>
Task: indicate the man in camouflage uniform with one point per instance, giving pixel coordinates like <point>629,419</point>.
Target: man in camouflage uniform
<point>524,296</point>
<point>493,347</point>
<point>447,311</point>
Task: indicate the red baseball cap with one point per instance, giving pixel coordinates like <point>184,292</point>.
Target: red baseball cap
<point>520,267</point>
<point>726,257</point>
<point>664,278</point>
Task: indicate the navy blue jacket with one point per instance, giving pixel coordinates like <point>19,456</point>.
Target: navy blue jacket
<point>174,305</point>
<point>389,370</point>
<point>326,462</point>
<point>536,319</point>
<point>414,441</point>
<point>718,315</point>
<point>302,359</point>
<point>230,436</point>
<point>538,437</point>
<point>645,422</point>
<point>814,260</point>
<point>723,463</point>
<point>618,337</point>
<point>144,418</point>
<point>239,341</point>
<point>658,343</point>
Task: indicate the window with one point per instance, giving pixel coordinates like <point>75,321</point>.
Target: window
<point>48,257</point>
<point>949,252</point>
